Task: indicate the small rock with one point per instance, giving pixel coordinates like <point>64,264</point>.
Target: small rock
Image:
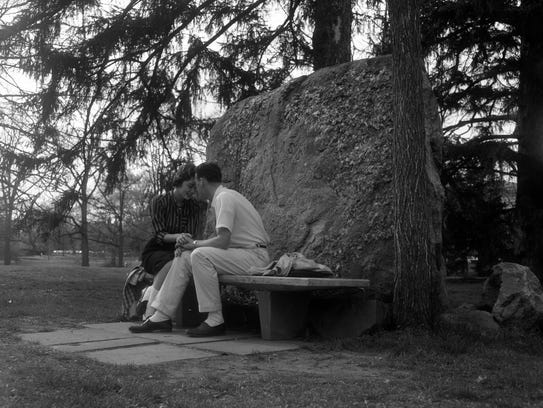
<point>520,296</point>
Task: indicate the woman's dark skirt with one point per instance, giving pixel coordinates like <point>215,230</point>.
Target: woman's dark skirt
<point>155,255</point>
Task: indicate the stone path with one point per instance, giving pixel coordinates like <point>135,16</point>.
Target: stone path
<point>113,343</point>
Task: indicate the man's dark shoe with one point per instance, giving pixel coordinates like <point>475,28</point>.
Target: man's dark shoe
<point>205,330</point>
<point>148,327</point>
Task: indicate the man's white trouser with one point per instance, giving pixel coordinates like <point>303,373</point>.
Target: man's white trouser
<point>205,264</point>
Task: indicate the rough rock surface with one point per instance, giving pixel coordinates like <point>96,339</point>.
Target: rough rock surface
<point>517,294</point>
<point>314,156</point>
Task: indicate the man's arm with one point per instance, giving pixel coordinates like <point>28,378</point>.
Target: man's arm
<point>222,241</point>
<point>224,223</point>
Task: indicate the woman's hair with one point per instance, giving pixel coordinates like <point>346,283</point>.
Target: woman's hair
<point>185,173</point>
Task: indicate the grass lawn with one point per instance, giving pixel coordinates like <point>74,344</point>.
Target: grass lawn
<point>391,369</point>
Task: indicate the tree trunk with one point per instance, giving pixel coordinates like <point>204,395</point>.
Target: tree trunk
<point>120,256</point>
<point>530,131</point>
<point>7,234</point>
<point>416,285</point>
<point>332,33</point>
<point>84,231</point>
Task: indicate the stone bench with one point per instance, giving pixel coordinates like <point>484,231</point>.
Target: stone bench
<point>283,301</point>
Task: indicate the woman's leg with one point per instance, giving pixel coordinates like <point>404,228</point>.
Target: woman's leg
<point>152,291</point>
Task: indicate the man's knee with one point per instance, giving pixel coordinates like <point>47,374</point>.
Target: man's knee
<point>198,254</point>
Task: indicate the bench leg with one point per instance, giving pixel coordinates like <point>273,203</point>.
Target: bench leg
<point>283,315</point>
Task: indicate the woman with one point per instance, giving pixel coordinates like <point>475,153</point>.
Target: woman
<point>174,215</point>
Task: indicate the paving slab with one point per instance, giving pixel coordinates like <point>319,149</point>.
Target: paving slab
<point>115,327</point>
<point>103,345</point>
<point>113,343</point>
<point>72,336</point>
<point>148,354</point>
<point>179,337</point>
<point>247,346</point>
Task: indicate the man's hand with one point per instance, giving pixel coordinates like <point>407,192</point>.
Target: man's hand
<point>222,241</point>
<point>189,246</point>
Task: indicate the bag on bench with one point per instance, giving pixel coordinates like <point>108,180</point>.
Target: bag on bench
<point>294,264</point>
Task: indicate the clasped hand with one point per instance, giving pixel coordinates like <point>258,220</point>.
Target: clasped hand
<point>184,242</point>
<point>183,239</point>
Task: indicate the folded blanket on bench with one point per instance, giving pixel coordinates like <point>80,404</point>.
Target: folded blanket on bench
<point>293,264</point>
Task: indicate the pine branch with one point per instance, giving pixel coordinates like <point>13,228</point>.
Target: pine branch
<point>486,119</point>
<point>193,52</point>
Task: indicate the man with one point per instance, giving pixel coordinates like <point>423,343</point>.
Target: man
<point>239,244</point>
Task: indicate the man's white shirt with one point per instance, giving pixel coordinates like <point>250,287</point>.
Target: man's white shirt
<point>235,213</point>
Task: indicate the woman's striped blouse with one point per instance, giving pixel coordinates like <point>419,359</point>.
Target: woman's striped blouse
<point>170,217</point>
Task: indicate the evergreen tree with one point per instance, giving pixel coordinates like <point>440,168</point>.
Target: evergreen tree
<point>154,61</point>
<point>486,55</point>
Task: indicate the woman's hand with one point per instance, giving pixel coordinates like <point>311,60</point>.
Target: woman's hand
<point>183,239</point>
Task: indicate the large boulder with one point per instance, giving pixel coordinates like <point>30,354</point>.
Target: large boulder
<point>516,295</point>
<point>314,156</point>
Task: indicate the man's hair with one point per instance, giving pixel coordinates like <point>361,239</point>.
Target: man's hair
<point>210,171</point>
<point>185,173</point>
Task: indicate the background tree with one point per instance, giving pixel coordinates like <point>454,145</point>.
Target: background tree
<point>158,61</point>
<point>484,73</point>
<point>530,134</point>
<point>15,167</point>
<point>44,228</point>
<point>331,38</point>
<point>478,213</point>
<point>23,174</point>
<point>121,221</point>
